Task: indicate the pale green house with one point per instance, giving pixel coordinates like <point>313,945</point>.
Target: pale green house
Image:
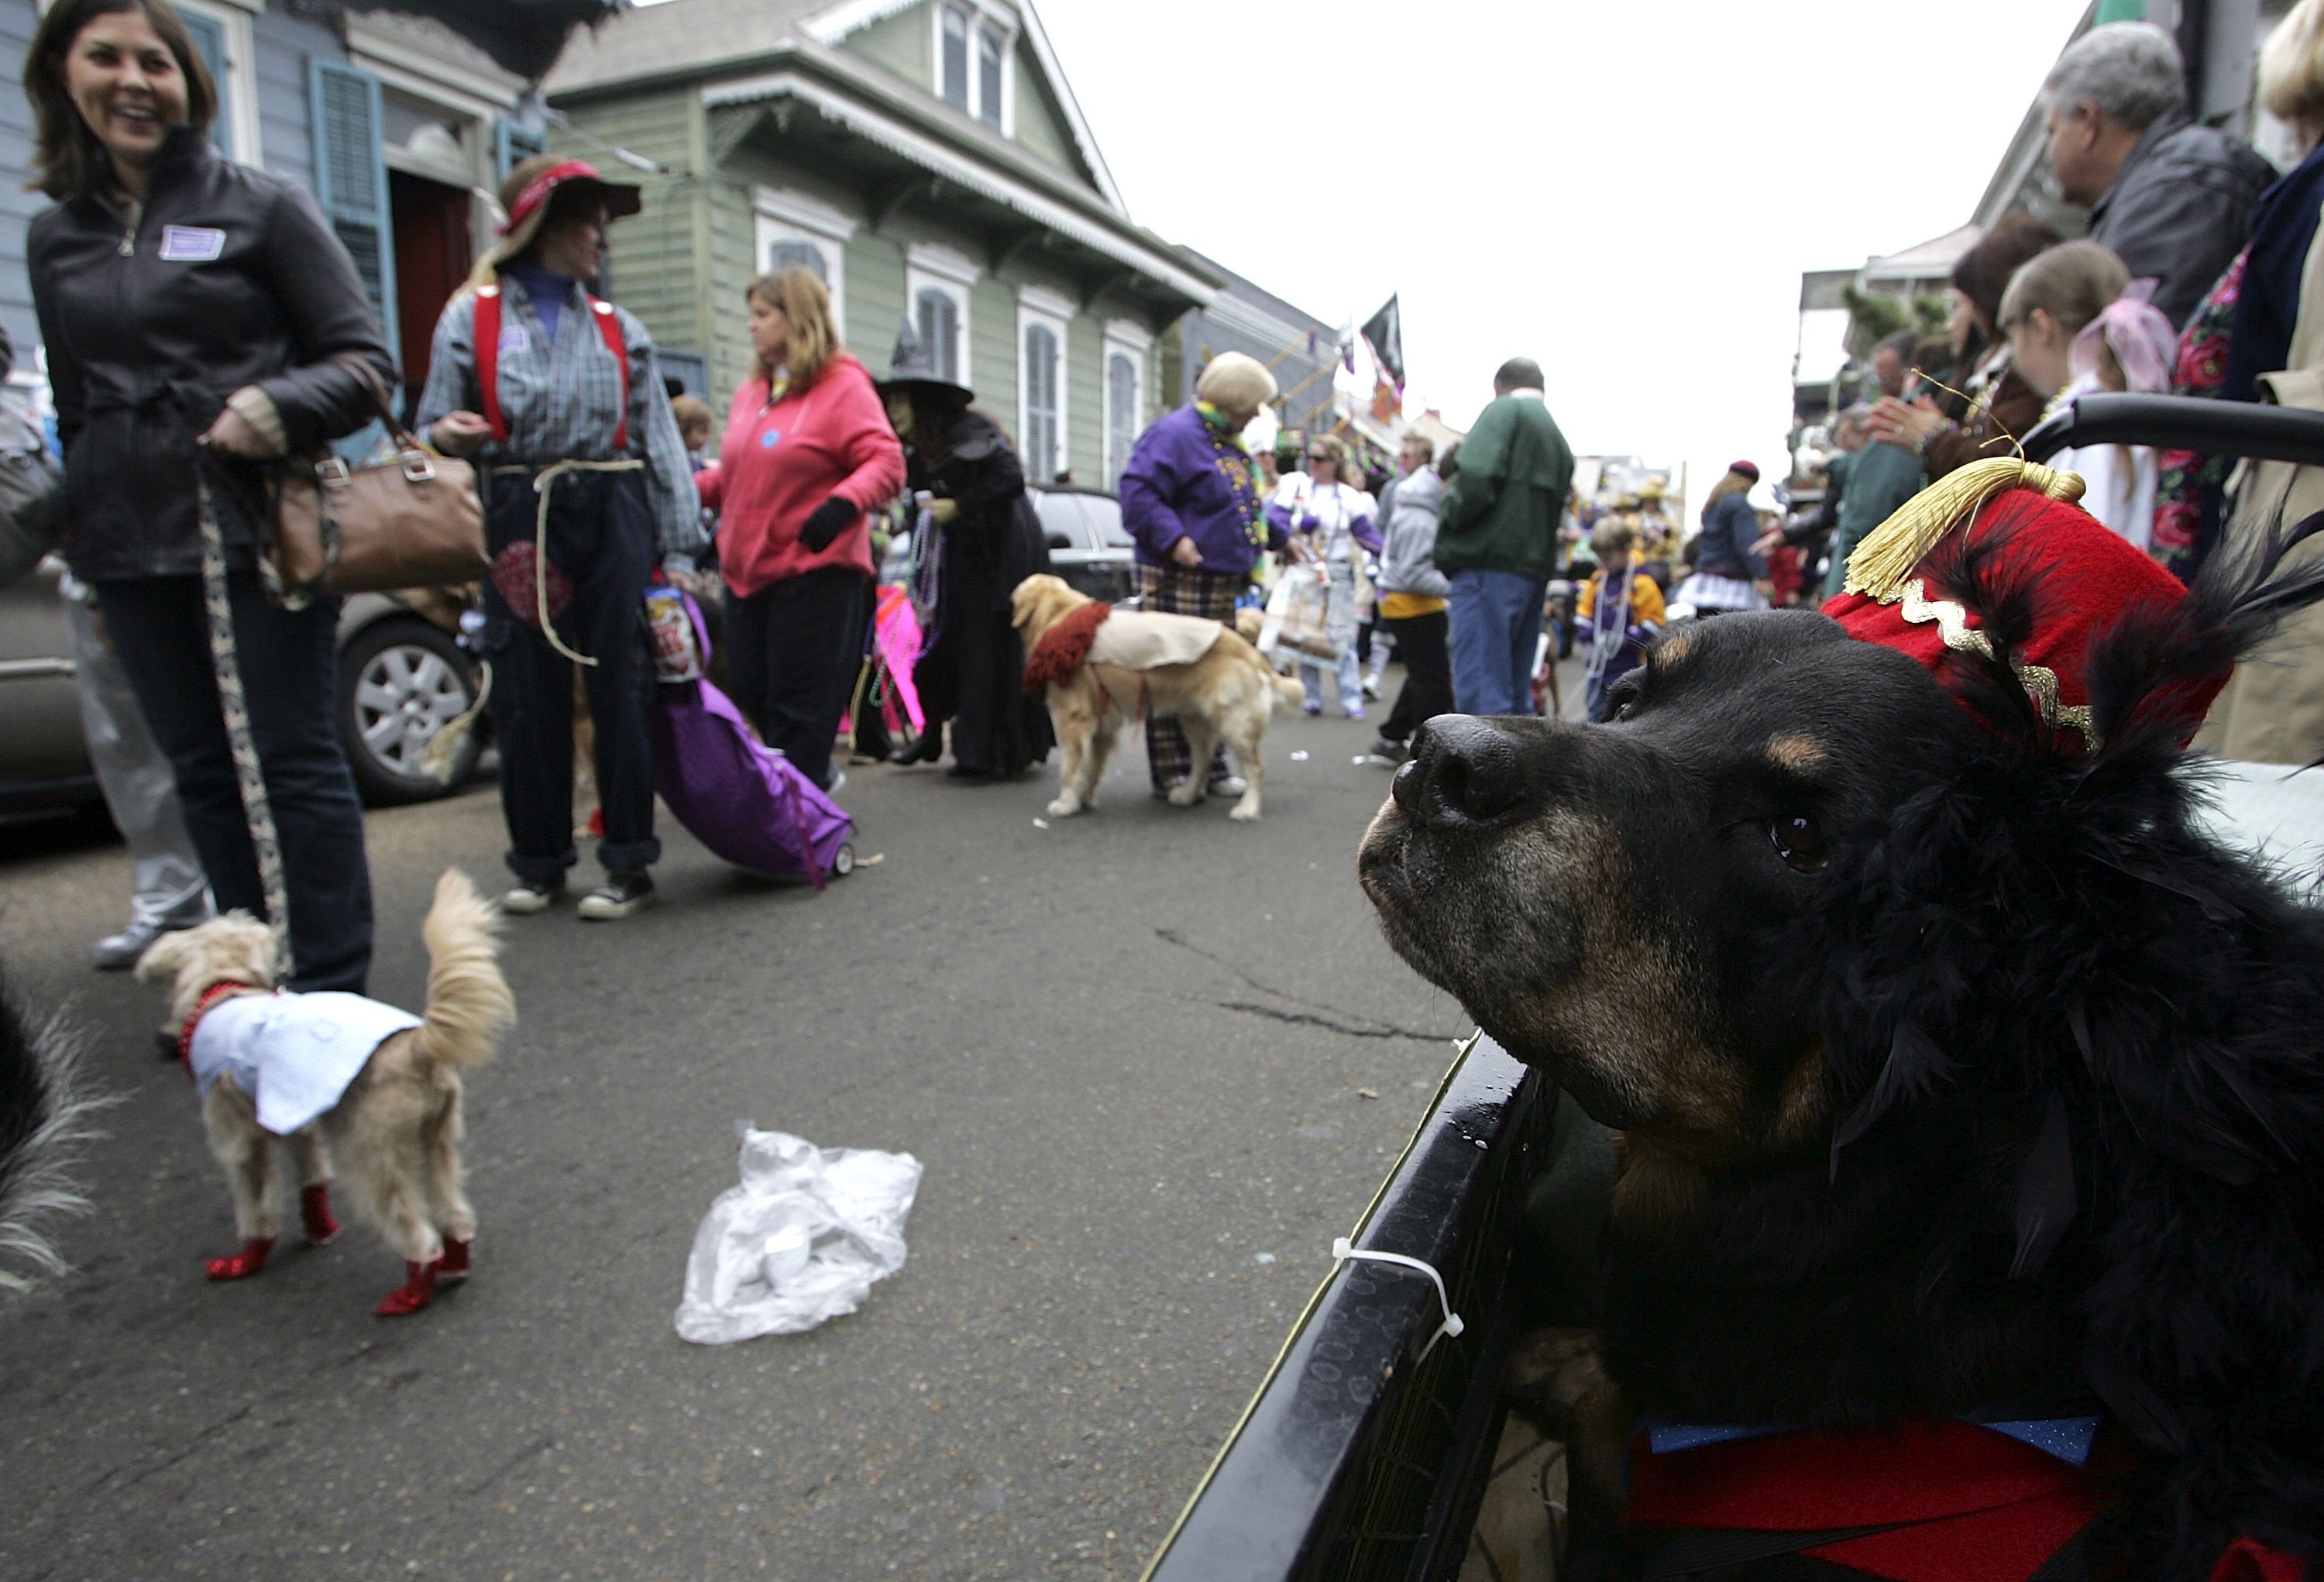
<point>925,158</point>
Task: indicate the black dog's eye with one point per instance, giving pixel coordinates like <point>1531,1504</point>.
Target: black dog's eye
<point>1798,841</point>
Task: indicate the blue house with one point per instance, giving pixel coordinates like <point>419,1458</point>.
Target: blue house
<point>398,126</point>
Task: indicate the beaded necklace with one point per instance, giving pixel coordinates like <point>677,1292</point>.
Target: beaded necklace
<point>1232,458</point>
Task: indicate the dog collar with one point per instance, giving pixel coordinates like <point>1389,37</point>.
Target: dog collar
<point>210,996</point>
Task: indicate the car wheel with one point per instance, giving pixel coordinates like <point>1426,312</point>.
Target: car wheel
<point>401,681</point>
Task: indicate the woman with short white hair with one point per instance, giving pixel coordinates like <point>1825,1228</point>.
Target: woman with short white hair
<point>1191,504</point>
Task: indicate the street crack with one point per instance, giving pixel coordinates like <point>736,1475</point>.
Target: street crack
<point>1314,1019</point>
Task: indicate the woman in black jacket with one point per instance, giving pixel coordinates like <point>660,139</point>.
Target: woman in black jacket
<point>1729,574</point>
<point>200,316</point>
<point>971,670</point>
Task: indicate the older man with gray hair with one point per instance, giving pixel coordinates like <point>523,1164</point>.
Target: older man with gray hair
<point>2171,198</point>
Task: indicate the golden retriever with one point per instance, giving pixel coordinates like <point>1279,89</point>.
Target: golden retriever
<point>1228,693</point>
<point>396,1123</point>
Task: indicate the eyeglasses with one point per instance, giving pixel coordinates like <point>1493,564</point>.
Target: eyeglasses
<point>1320,456</point>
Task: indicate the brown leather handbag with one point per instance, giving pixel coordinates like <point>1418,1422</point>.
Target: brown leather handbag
<point>413,522</point>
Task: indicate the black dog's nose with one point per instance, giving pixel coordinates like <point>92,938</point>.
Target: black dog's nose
<point>1463,771</point>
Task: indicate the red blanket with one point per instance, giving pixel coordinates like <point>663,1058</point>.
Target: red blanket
<point>1973,1505</point>
<point>1064,648</point>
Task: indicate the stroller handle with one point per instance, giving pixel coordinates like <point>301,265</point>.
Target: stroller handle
<point>2183,423</point>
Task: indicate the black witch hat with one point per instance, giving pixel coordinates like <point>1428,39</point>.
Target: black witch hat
<point>911,369</point>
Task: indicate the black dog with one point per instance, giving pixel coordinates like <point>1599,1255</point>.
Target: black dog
<point>1953,1067</point>
<point>43,1118</point>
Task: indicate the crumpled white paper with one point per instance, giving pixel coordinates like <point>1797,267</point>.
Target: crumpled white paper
<point>800,1240</point>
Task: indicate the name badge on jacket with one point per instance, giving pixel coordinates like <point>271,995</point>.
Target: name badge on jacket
<point>191,245</point>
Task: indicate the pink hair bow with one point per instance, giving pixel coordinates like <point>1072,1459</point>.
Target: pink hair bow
<point>2144,342</point>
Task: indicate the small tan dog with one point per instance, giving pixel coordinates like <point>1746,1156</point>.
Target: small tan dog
<point>1198,672</point>
<point>381,1086</point>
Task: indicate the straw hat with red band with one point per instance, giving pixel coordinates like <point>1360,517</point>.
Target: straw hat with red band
<point>2083,576</point>
<point>526,194</point>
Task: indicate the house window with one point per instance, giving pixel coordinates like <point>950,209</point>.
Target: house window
<point>936,285</point>
<point>973,45</point>
<point>1044,409</point>
<point>991,50</point>
<point>795,231</point>
<point>221,33</point>
<point>1121,414</point>
<point>953,57</point>
<point>937,319</point>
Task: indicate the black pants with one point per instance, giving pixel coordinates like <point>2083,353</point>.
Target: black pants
<point>601,538</point>
<point>792,651</point>
<point>1427,689</point>
<point>290,669</point>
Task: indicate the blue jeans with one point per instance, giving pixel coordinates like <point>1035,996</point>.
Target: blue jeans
<point>1496,627</point>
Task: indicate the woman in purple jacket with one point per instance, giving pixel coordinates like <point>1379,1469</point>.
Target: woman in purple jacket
<point>1190,500</point>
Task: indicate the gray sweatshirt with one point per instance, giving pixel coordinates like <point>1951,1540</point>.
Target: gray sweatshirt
<point>1409,534</point>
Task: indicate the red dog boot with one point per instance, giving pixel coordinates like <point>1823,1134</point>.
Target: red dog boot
<point>418,1289</point>
<point>315,1213</point>
<point>242,1265</point>
<point>453,1266</point>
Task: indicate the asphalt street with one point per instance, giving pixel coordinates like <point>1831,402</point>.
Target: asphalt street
<point>1152,1062</point>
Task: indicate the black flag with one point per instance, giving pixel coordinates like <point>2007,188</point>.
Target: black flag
<point>1385,330</point>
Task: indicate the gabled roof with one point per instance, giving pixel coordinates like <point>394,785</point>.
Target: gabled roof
<point>830,22</point>
<point>680,37</point>
<point>709,39</point>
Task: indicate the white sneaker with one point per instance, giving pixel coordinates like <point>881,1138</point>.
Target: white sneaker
<point>619,895</point>
<point>528,898</point>
<point>1231,785</point>
<point>1371,688</point>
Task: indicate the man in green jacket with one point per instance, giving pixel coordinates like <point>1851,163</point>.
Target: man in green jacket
<point>1498,543</point>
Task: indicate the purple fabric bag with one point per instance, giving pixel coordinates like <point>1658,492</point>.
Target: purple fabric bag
<point>740,798</point>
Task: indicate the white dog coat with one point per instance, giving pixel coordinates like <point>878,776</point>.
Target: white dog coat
<point>1145,640</point>
<point>292,1054</point>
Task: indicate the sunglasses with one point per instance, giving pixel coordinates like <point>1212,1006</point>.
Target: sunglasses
<point>1320,456</point>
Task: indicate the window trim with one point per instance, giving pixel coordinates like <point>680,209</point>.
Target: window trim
<point>929,267</point>
<point>781,215</point>
<point>1127,339</point>
<point>1053,311</point>
<point>238,94</point>
<point>980,17</point>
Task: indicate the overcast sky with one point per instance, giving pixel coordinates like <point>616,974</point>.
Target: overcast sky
<point>1626,192</point>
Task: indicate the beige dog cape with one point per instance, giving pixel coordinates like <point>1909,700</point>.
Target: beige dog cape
<point>1142,639</point>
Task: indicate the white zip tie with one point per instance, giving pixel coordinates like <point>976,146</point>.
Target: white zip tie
<point>1343,1250</point>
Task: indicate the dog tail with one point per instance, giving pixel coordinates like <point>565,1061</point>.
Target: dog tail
<point>1286,688</point>
<point>45,1111</point>
<point>469,1005</point>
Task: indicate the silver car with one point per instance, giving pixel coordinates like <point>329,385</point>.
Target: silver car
<point>402,675</point>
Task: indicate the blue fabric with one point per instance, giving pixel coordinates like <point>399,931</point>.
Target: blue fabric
<point>2269,304</point>
<point>1729,528</point>
<point>1496,627</point>
<point>546,287</point>
<point>2069,1438</point>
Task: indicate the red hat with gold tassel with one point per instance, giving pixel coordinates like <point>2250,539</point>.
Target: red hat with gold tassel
<point>2024,517</point>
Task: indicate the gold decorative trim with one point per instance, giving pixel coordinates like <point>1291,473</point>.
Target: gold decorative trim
<point>2040,681</point>
<point>1880,565</point>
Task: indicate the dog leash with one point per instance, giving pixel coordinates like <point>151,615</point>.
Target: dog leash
<point>234,706</point>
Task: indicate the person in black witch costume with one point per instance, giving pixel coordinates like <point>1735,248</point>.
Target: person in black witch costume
<point>971,670</point>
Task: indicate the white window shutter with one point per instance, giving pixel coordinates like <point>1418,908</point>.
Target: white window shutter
<point>350,179</point>
<point>513,145</point>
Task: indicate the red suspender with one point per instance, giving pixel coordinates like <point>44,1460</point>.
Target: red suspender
<point>487,336</point>
<point>611,328</point>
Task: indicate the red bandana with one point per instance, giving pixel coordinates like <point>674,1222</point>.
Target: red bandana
<point>1064,648</point>
<point>211,996</point>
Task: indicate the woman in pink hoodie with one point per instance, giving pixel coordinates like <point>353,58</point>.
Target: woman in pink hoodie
<point>807,453</point>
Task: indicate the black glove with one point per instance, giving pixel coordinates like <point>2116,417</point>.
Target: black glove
<point>826,522</point>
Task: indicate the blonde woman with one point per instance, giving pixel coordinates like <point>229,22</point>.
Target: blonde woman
<point>558,398</point>
<point>807,453</point>
<point>1329,519</point>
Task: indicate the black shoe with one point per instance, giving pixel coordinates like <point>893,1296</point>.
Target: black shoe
<point>970,772</point>
<point>619,895</point>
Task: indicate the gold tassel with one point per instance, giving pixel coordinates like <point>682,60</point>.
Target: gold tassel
<point>436,759</point>
<point>1885,559</point>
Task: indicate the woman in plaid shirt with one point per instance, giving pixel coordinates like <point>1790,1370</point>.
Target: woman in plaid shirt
<point>586,485</point>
